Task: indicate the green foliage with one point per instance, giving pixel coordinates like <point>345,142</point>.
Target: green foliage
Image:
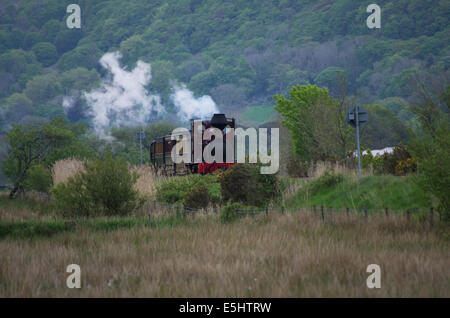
<point>39,179</point>
<point>330,77</point>
<point>174,190</point>
<point>45,53</point>
<point>197,198</point>
<point>398,163</point>
<point>230,212</point>
<point>383,128</point>
<point>18,106</point>
<point>43,87</point>
<point>327,180</point>
<point>33,229</point>
<point>31,144</point>
<point>239,52</point>
<point>244,183</point>
<point>104,188</point>
<point>316,123</point>
<point>432,150</point>
<point>80,79</point>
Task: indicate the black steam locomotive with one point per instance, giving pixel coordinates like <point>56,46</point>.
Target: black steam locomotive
<point>161,149</point>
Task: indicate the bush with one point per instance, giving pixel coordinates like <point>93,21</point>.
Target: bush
<point>245,184</point>
<point>104,188</point>
<point>39,179</point>
<point>327,180</point>
<point>398,163</point>
<point>197,198</point>
<point>229,212</point>
<point>174,190</point>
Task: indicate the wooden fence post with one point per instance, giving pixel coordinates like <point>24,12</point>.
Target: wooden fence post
<point>387,212</point>
<point>267,210</point>
<point>408,215</point>
<point>365,214</point>
<point>323,215</point>
<point>347,211</point>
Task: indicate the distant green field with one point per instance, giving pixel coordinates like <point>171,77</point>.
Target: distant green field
<point>372,192</point>
<point>258,114</point>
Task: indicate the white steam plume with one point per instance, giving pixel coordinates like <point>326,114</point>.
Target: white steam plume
<point>122,100</point>
<point>190,107</point>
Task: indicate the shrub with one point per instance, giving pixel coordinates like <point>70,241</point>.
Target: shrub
<point>399,162</point>
<point>105,187</point>
<point>72,198</point>
<point>327,180</point>
<point>174,190</point>
<point>244,183</point>
<point>39,179</point>
<point>197,198</point>
<point>229,212</point>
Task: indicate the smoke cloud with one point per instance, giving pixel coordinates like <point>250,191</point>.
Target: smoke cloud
<point>190,107</point>
<point>123,100</point>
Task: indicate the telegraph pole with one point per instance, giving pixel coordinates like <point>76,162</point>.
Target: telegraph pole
<point>357,141</point>
<point>140,135</point>
<point>140,143</point>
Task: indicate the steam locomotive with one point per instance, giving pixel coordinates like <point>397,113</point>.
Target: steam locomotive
<point>161,150</point>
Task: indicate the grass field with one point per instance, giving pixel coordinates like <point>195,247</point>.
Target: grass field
<point>371,192</point>
<point>280,255</point>
<point>255,115</point>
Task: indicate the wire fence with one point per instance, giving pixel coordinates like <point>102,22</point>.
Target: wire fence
<point>323,212</point>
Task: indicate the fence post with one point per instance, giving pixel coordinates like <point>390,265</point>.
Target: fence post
<point>267,210</point>
<point>314,209</point>
<point>323,215</point>
<point>408,215</point>
<point>387,212</point>
<point>431,216</point>
<point>365,214</point>
<point>347,211</point>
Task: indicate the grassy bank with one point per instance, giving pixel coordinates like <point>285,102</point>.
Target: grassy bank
<point>371,192</point>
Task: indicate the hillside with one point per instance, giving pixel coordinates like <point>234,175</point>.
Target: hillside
<point>240,53</point>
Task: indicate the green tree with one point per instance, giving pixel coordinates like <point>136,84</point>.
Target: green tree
<point>45,53</point>
<point>431,148</point>
<point>30,144</point>
<point>43,87</point>
<point>17,106</point>
<point>39,179</point>
<point>316,122</point>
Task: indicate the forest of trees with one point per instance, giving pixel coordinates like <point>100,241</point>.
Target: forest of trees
<point>241,53</point>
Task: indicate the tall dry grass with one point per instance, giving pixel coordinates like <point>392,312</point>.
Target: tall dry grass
<point>62,170</point>
<point>145,183</point>
<point>319,168</point>
<point>290,255</point>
